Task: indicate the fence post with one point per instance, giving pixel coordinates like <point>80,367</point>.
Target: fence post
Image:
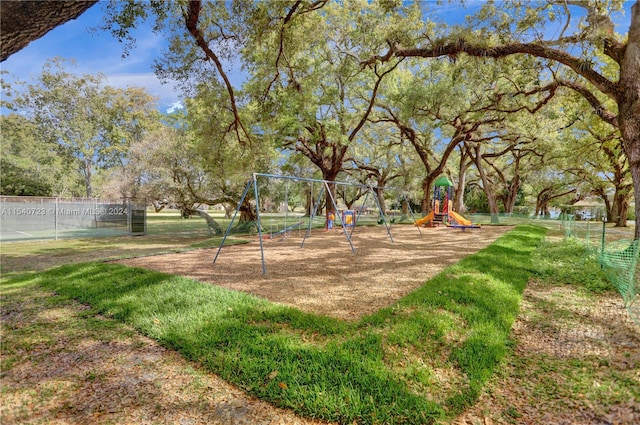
<point>602,239</point>
<point>587,237</point>
<point>55,220</point>
<point>129,213</point>
<point>95,214</point>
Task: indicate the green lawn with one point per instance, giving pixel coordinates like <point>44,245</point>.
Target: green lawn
<point>425,358</point>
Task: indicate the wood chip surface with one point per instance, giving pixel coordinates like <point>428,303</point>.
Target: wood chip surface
<point>324,276</point>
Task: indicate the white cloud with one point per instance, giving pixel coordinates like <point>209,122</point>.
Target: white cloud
<point>175,107</point>
<point>169,97</point>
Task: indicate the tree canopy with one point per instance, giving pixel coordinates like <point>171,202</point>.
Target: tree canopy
<point>379,90</point>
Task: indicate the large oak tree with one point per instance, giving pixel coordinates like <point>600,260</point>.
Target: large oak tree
<point>521,31</point>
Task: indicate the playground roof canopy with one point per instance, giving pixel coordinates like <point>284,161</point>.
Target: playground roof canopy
<point>443,182</point>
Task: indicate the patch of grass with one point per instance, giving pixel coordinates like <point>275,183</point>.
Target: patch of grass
<point>422,360</point>
<point>570,262</point>
<point>571,383</point>
<point>95,373</point>
<point>172,223</point>
<point>43,255</point>
<point>580,360</point>
<point>37,325</point>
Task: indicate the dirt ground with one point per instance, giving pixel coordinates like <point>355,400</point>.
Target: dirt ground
<point>325,276</point>
<point>559,325</point>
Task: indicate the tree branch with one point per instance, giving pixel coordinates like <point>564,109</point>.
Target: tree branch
<point>599,108</point>
<point>537,49</point>
<point>191,17</point>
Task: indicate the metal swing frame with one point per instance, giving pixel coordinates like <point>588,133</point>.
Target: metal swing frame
<point>253,182</point>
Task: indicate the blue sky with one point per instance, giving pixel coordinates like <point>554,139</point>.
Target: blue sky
<point>96,51</point>
<point>99,51</point>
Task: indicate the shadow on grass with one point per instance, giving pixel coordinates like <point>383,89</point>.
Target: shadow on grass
<point>319,366</point>
<point>481,293</point>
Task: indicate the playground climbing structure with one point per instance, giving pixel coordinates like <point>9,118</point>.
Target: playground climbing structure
<point>442,211</point>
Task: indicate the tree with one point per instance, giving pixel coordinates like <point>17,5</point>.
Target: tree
<point>89,121</point>
<point>202,36</point>
<point>550,183</point>
<point>297,164</point>
<point>516,151</point>
<point>30,165</point>
<point>166,169</point>
<point>601,163</point>
<point>377,159</point>
<point>464,163</point>
<point>191,160</point>
<point>438,107</point>
<point>499,34</point>
<point>226,165</point>
<point>319,103</point>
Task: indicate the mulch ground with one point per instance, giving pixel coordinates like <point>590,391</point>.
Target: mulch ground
<point>325,276</point>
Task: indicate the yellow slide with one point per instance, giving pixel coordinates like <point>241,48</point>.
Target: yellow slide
<point>460,219</point>
<point>424,220</point>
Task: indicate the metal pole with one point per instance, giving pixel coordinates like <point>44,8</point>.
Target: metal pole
<point>235,214</point>
<point>286,208</point>
<point>129,216</point>
<point>604,229</point>
<point>255,191</point>
<point>55,219</point>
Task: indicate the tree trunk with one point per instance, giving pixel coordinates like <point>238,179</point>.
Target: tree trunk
<point>330,176</point>
<point>380,196</point>
<point>158,206</point>
<point>405,206</point>
<point>512,195</point>
<point>542,202</point>
<point>228,210</point>
<point>427,188</point>
<point>458,203</point>
<point>629,106</point>
<point>608,206</point>
<point>491,200</point>
<point>22,22</point>
<point>630,128</point>
<point>620,207</point>
<point>247,212</point>
<point>86,173</point>
<point>213,227</point>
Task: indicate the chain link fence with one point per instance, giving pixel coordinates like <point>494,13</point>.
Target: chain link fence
<point>30,218</point>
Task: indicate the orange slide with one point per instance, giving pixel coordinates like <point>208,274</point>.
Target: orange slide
<point>460,219</point>
<point>424,220</point>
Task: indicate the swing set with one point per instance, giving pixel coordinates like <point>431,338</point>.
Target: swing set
<point>343,218</point>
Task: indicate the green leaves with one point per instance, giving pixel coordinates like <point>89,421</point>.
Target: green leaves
<point>91,122</point>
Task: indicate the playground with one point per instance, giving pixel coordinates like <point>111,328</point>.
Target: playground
<point>442,212</point>
<point>324,276</point>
